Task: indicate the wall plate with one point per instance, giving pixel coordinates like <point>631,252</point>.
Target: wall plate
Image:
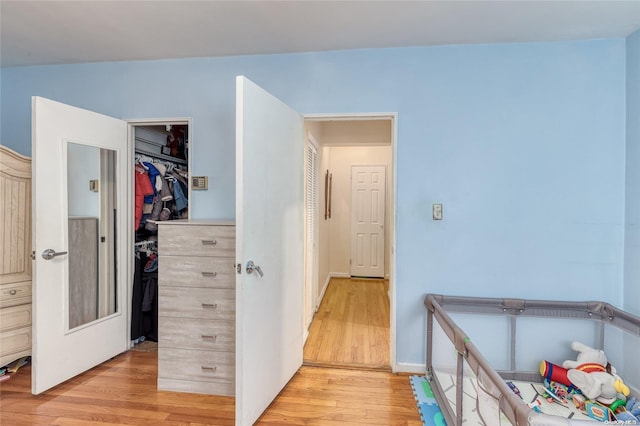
<point>199,182</point>
<point>437,211</point>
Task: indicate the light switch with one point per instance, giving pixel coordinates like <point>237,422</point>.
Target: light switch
<point>437,211</point>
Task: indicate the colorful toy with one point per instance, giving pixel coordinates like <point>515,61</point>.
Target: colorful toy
<point>579,401</point>
<point>629,414</point>
<point>554,373</point>
<point>593,375</point>
<point>599,412</point>
<point>557,390</point>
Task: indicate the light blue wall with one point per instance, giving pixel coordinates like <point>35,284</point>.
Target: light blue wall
<point>632,213</point>
<point>523,144</point>
<point>631,346</point>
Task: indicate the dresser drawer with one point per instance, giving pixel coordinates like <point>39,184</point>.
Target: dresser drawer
<point>15,317</point>
<point>192,386</point>
<point>208,272</point>
<point>187,333</point>
<point>186,364</point>
<point>15,341</point>
<point>15,294</point>
<point>197,240</point>
<point>202,303</point>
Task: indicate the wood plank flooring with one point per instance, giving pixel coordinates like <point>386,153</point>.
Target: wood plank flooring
<point>123,391</point>
<point>351,327</point>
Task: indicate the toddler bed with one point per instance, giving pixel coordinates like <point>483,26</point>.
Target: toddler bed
<point>499,381</point>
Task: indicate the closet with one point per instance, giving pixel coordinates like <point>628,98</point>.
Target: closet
<point>161,179</point>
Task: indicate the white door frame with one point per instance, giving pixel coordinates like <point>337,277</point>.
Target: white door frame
<point>131,147</point>
<point>392,211</point>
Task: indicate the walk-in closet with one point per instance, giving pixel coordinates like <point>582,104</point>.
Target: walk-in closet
<point>161,179</point>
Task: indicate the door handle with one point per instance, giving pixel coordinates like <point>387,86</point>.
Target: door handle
<point>253,267</point>
<point>49,254</point>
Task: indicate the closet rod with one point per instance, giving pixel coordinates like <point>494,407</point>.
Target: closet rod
<point>162,157</point>
<point>145,242</point>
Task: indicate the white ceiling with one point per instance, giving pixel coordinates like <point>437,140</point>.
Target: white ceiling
<point>57,32</point>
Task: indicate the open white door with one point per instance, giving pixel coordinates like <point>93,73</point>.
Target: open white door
<point>269,232</point>
<point>70,148</point>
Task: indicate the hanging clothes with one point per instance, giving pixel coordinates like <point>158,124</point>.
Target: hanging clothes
<point>155,183</point>
<point>137,327</point>
<point>143,189</point>
<point>144,298</point>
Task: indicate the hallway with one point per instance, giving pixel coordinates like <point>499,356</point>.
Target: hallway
<point>351,327</point>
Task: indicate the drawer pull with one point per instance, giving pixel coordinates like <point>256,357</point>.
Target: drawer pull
<point>210,305</point>
<point>209,337</point>
<point>209,369</point>
<point>13,292</point>
<point>209,274</point>
<point>209,242</point>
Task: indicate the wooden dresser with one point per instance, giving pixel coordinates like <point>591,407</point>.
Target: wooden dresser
<point>15,256</point>
<point>196,307</point>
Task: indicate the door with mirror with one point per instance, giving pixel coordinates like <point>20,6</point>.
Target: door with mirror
<point>80,225</point>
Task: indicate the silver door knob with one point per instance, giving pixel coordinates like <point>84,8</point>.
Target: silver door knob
<point>49,254</point>
<point>253,267</point>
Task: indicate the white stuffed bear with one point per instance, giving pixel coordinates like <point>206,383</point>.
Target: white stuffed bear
<point>593,375</point>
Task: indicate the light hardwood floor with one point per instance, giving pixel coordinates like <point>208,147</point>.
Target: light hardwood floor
<point>351,327</point>
<point>123,391</point>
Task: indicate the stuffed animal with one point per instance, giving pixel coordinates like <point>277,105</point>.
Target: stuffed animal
<point>631,412</point>
<point>593,375</point>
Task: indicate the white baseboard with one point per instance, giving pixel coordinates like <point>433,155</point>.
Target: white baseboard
<point>403,367</point>
<point>339,275</point>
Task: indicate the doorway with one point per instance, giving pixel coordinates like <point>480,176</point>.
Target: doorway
<point>160,152</point>
<point>340,300</point>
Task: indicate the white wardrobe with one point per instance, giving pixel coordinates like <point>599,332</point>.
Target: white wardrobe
<point>15,255</point>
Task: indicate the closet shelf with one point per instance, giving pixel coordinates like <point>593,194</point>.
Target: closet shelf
<point>161,156</point>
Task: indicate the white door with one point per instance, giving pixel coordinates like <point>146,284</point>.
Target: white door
<point>270,233</point>
<point>61,134</point>
<point>311,229</point>
<point>368,189</point>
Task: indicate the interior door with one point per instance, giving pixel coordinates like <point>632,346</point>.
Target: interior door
<point>68,147</point>
<point>269,233</point>
<point>368,189</point>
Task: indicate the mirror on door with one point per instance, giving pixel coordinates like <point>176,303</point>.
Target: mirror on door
<point>91,187</point>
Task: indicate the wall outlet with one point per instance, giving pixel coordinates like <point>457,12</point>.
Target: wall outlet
<point>437,211</point>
